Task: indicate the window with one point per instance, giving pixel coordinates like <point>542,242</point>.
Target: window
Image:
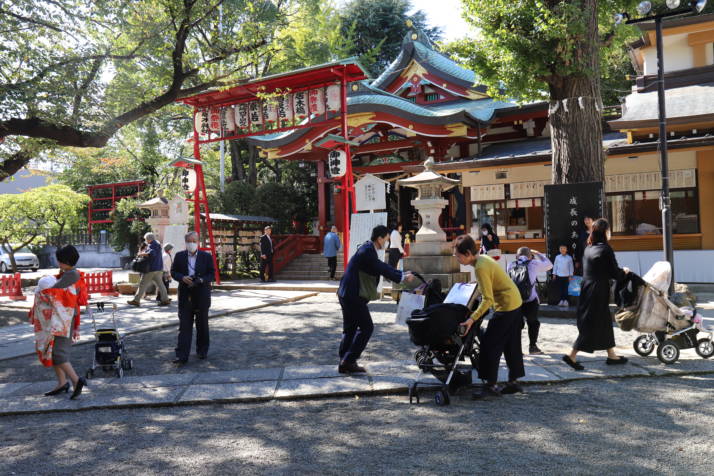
<point>638,213</point>
<point>511,219</point>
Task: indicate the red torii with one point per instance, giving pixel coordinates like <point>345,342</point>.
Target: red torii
<point>299,81</point>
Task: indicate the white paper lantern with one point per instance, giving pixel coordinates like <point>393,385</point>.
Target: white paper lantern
<point>242,117</point>
<point>337,163</point>
<point>334,98</point>
<point>317,101</point>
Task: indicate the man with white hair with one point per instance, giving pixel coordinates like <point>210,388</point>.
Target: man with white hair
<point>154,274</point>
<point>194,271</point>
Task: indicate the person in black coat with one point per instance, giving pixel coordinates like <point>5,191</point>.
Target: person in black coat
<point>194,271</point>
<point>266,255</point>
<point>594,319</point>
<point>357,326</point>
<point>489,239</point>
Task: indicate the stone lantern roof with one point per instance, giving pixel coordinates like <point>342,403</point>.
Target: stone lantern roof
<point>429,183</point>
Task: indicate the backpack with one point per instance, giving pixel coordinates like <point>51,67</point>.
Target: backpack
<point>519,275</point>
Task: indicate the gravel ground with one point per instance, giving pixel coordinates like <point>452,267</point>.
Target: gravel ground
<point>303,332</point>
<point>626,426</point>
<point>10,317</point>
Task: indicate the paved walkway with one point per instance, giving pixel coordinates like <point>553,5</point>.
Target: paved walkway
<point>290,383</point>
<point>18,340</point>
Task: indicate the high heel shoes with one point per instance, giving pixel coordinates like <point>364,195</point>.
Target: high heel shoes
<point>64,388</point>
<point>81,382</point>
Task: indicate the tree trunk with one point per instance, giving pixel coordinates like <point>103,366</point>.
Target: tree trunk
<point>575,110</point>
<point>237,169</point>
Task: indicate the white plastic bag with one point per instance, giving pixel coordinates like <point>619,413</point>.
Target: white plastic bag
<point>408,302</point>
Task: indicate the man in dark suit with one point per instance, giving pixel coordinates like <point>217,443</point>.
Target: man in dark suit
<point>194,271</point>
<point>356,320</point>
<point>266,255</point>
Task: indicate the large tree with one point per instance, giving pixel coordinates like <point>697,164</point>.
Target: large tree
<point>74,72</point>
<point>552,50</point>
<point>378,28</point>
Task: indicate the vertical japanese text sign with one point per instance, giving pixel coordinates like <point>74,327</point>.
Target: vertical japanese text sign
<point>565,208</point>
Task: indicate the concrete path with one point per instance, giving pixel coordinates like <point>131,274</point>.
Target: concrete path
<point>18,340</point>
<point>318,381</point>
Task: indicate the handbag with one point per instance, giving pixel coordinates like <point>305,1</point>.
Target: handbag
<point>367,286</point>
<point>140,265</point>
<point>408,302</point>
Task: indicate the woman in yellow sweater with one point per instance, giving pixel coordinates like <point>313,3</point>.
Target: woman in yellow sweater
<point>503,333</point>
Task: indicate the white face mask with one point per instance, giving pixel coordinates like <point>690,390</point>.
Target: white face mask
<point>191,247</point>
<point>484,232</point>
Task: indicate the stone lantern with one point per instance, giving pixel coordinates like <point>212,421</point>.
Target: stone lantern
<point>431,255</point>
<point>168,220</point>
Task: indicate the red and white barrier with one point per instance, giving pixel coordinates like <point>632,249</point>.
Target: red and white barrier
<point>102,282</point>
<point>11,286</point>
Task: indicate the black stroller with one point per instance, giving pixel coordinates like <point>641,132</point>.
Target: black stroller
<point>436,329</point>
<point>109,349</point>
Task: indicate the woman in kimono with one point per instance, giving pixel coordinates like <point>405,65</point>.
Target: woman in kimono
<point>55,317</point>
<point>595,330</point>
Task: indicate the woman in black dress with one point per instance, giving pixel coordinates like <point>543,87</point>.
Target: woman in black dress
<point>594,319</point>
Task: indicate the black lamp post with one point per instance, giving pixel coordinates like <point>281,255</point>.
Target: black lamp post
<point>694,7</point>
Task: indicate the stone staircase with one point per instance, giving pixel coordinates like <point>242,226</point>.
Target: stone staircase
<point>310,267</point>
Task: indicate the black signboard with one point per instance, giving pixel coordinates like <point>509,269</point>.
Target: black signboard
<point>565,208</point>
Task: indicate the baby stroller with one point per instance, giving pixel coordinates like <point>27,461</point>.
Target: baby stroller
<point>436,329</point>
<point>662,323</point>
<point>109,350</point>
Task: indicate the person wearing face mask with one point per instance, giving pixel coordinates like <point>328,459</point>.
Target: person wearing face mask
<point>194,271</point>
<point>489,239</point>
<point>358,286</point>
<point>594,319</point>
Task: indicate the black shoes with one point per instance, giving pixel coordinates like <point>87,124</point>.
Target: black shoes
<point>534,350</point>
<point>619,361</point>
<point>351,368</point>
<point>201,356</point>
<point>511,388</point>
<point>572,363</point>
<point>486,392</point>
<point>78,388</point>
<point>64,388</point>
<point>178,361</point>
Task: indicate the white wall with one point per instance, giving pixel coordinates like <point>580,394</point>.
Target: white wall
<point>677,55</point>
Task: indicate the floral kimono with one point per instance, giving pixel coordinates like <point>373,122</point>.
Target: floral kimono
<point>56,313</point>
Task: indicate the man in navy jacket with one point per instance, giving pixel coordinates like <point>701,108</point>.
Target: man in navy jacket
<point>266,255</point>
<point>356,319</point>
<point>194,271</point>
<point>153,275</point>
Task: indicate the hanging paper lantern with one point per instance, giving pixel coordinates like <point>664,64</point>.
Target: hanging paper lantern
<point>317,101</point>
<point>255,114</point>
<point>201,122</point>
<point>242,123</point>
<point>228,121</point>
<point>300,105</point>
<point>214,119</point>
<point>270,114</point>
<point>337,163</point>
<point>285,111</point>
<point>334,98</point>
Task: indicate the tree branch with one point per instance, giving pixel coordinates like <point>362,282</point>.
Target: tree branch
<point>15,162</point>
<point>32,21</point>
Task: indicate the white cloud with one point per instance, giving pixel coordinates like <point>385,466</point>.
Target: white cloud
<point>445,14</point>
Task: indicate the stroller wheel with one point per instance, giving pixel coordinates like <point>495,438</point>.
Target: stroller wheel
<point>644,344</point>
<point>120,372</point>
<point>668,352</point>
<point>441,397</point>
<point>705,348</point>
<point>89,374</point>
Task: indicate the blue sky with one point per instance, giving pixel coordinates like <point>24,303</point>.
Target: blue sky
<point>445,14</point>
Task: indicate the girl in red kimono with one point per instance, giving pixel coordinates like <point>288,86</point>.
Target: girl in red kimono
<point>55,317</point>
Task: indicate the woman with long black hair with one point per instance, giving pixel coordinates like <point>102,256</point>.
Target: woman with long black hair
<point>594,319</point>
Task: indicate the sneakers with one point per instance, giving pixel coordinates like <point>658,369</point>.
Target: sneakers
<point>131,302</point>
<point>351,368</point>
<point>165,303</point>
<point>534,350</point>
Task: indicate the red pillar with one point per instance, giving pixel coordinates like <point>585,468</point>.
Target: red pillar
<point>347,182</point>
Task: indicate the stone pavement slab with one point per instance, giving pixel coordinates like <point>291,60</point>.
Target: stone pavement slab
<point>311,372</point>
<point>18,340</point>
<point>237,376</point>
<point>234,392</point>
<point>322,387</point>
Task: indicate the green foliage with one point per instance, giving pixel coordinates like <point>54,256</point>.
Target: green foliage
<point>128,226</point>
<point>26,217</point>
<point>238,198</point>
<point>525,47</point>
<point>377,28</point>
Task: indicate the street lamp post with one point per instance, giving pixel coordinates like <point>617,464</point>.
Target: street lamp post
<point>695,6</point>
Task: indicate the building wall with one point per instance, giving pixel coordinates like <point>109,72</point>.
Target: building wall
<point>705,166</point>
<point>677,55</point>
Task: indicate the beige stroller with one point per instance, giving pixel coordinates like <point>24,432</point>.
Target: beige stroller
<point>662,323</point>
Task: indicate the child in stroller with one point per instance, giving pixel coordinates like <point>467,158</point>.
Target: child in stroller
<point>644,307</point>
